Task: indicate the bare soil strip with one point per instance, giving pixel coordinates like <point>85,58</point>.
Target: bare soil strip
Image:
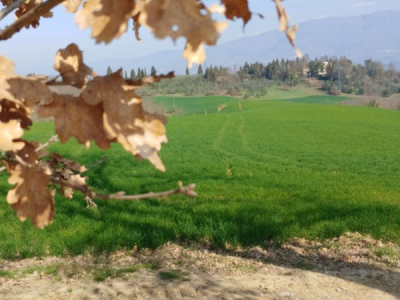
<point>350,267</point>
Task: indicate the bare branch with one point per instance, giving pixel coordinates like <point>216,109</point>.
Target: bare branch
<point>103,160</point>
<point>5,11</point>
<point>90,202</point>
<point>185,190</point>
<point>28,18</point>
<point>52,139</point>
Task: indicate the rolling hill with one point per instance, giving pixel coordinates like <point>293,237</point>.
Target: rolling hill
<point>358,38</point>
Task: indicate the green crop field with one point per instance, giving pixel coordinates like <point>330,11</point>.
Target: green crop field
<point>272,170</point>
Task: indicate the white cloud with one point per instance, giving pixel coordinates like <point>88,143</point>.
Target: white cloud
<point>363,4</point>
<point>321,17</point>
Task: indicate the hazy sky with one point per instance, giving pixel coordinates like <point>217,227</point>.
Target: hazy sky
<point>33,50</point>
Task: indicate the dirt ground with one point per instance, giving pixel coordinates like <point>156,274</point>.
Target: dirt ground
<point>350,267</point>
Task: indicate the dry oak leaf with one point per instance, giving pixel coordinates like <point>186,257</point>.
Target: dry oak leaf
<point>9,132</point>
<point>237,9</point>
<point>136,26</point>
<point>75,180</point>
<point>74,117</point>
<point>67,164</point>
<point>6,2</point>
<point>27,6</point>
<point>124,118</point>
<point>30,198</point>
<point>69,63</point>
<point>27,155</point>
<point>72,5</point>
<point>23,91</point>
<point>12,111</point>
<point>187,18</point>
<point>284,26</point>
<point>108,19</point>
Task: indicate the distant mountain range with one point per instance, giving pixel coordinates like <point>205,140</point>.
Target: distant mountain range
<point>358,38</point>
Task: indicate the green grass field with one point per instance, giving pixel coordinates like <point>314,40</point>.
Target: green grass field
<point>271,171</point>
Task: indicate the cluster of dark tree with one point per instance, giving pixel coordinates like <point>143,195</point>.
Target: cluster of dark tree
<point>140,73</point>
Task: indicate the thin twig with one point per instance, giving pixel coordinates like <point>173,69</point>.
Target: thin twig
<point>5,11</point>
<point>52,139</point>
<point>28,18</point>
<point>186,190</point>
<point>91,166</point>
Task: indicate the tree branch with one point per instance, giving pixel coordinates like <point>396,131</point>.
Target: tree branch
<point>28,18</point>
<point>5,11</point>
<point>52,139</point>
<point>91,166</point>
<point>186,190</point>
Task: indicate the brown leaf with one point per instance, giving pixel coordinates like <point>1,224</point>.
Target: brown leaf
<point>76,180</point>
<point>9,132</point>
<point>136,25</point>
<point>69,62</point>
<point>237,9</point>
<point>31,197</point>
<point>284,25</point>
<point>57,159</point>
<point>28,153</point>
<point>12,111</point>
<point>72,5</point>
<point>108,19</point>
<point>124,118</point>
<point>74,117</point>
<point>24,91</point>
<point>187,18</point>
<point>6,2</point>
<point>26,7</point>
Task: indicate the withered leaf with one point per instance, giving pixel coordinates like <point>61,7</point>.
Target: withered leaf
<point>68,164</point>
<point>26,7</point>
<point>74,117</point>
<point>72,5</point>
<point>124,118</point>
<point>69,62</point>
<point>12,111</point>
<point>9,132</point>
<point>187,18</point>
<point>136,25</point>
<point>284,26</point>
<point>24,91</point>
<point>73,179</point>
<point>30,198</point>
<point>108,19</point>
<point>28,153</point>
<point>237,9</point>
<point>6,2</point>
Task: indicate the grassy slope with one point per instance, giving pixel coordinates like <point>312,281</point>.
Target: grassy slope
<point>275,170</point>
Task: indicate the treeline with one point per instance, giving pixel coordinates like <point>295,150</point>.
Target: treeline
<point>134,75</point>
<point>198,85</point>
<point>336,75</point>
